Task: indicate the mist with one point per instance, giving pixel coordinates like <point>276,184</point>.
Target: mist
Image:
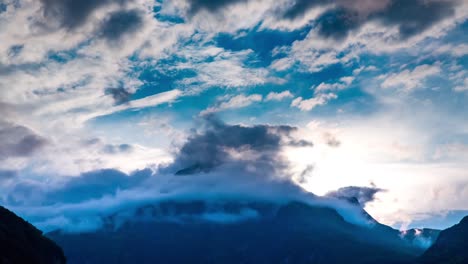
<point>217,164</point>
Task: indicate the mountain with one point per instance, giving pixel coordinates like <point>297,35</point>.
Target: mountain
<point>20,242</point>
<point>451,247</point>
<point>421,237</point>
<point>233,232</point>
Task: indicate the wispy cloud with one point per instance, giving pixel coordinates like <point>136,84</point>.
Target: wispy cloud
<point>311,103</point>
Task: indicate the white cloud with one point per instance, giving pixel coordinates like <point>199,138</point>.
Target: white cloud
<point>216,67</point>
<point>149,101</point>
<point>315,52</point>
<point>410,79</point>
<point>452,152</point>
<point>238,101</point>
<point>343,83</point>
<point>309,104</point>
<point>463,87</point>
<point>272,96</point>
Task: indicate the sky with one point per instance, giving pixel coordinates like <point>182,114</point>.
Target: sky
<point>112,103</point>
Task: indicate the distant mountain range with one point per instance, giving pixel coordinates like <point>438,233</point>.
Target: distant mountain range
<point>194,232</point>
<point>232,232</point>
<point>20,242</point>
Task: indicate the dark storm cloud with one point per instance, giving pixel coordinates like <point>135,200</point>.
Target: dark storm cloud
<point>73,13</point>
<point>120,95</point>
<point>121,23</point>
<point>337,23</point>
<point>362,194</point>
<point>205,151</point>
<point>411,17</point>
<point>298,8</point>
<point>210,5</point>
<point>18,141</point>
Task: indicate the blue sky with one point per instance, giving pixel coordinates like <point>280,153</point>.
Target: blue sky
<point>379,87</point>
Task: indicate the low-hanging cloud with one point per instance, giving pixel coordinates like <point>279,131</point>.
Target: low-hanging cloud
<point>96,184</point>
<point>256,146</point>
<point>221,162</point>
<point>363,195</point>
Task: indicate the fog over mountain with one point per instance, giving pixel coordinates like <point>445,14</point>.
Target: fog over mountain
<point>218,162</point>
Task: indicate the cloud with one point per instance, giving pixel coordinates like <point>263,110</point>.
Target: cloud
<point>97,184</point>
<point>342,31</point>
<point>120,95</point>
<point>309,104</point>
<point>120,23</point>
<point>272,96</point>
<point>210,5</point>
<point>363,195</point>
<point>343,83</point>
<point>305,173</point>
<point>411,17</point>
<point>149,101</point>
<point>121,148</point>
<point>18,141</point>
<point>238,101</point>
<point>463,87</point>
<point>73,13</point>
<point>299,8</point>
<point>410,79</point>
<point>337,23</point>
<point>216,67</point>
<point>220,162</point>
<point>331,140</point>
<point>78,60</point>
<point>245,147</point>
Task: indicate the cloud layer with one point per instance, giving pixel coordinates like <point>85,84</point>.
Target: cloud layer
<point>221,162</point>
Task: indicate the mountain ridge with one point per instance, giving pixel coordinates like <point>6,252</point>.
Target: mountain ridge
<point>450,247</point>
<point>21,242</point>
<point>294,232</point>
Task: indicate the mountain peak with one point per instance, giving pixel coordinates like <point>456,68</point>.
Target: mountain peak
<point>450,246</point>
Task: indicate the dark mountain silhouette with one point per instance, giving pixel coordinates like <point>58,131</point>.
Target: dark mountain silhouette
<point>421,237</point>
<point>179,232</point>
<point>451,247</point>
<point>20,242</point>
